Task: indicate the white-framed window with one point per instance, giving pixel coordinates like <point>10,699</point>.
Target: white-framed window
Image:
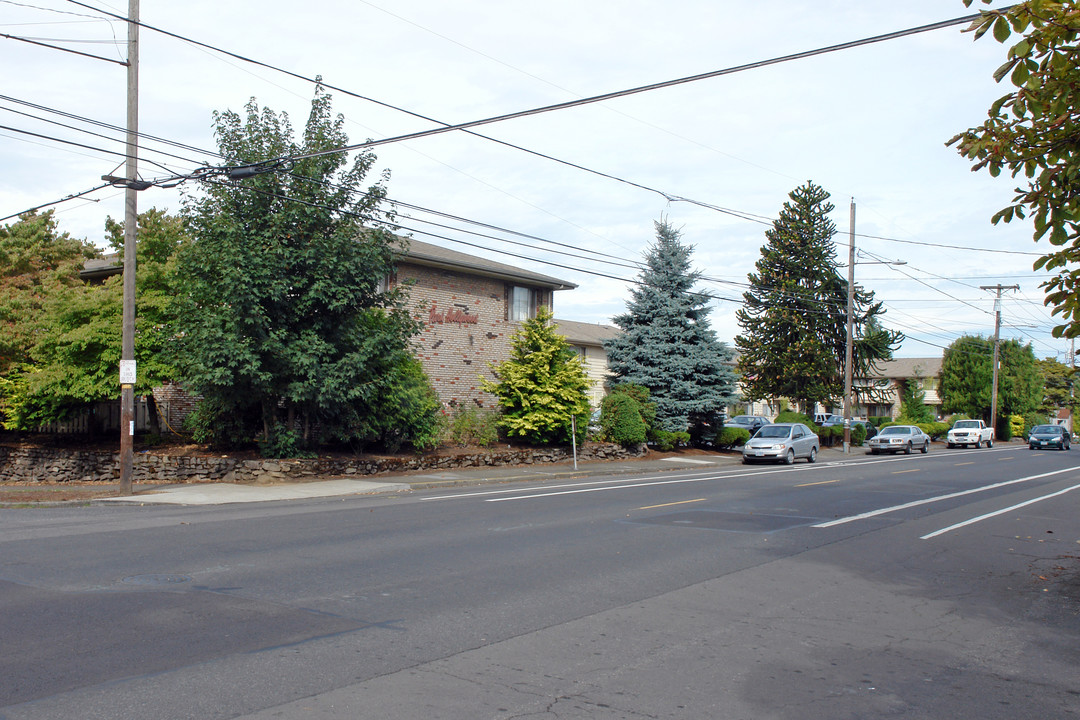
<point>522,303</point>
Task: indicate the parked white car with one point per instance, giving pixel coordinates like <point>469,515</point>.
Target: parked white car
<point>970,432</point>
<point>782,442</point>
<point>899,438</point>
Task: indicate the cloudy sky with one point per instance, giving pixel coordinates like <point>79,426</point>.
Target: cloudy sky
<point>868,124</point>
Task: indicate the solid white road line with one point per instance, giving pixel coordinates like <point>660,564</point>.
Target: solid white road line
<point>998,512</point>
<point>939,498</point>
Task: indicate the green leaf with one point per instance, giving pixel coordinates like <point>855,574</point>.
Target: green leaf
<point>1002,29</point>
<point>1004,70</point>
<point>1019,74</point>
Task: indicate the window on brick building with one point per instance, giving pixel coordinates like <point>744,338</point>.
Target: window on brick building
<point>522,303</point>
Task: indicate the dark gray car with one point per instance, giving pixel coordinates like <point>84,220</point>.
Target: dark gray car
<point>1049,436</point>
<point>750,423</point>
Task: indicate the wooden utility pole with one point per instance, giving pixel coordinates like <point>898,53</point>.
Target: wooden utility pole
<point>997,345</point>
<point>849,349</point>
<point>131,219</point>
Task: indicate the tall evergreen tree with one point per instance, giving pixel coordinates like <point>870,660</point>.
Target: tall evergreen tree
<point>286,332</point>
<point>794,319</point>
<point>667,345</point>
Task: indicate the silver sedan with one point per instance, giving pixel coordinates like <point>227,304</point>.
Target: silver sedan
<point>782,442</point>
<point>899,438</point>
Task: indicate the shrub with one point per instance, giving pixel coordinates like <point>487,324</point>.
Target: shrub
<point>283,443</point>
<point>640,393</point>
<point>732,437</point>
<point>621,421</point>
<point>1016,426</point>
<point>790,416</point>
<point>858,434</point>
<point>667,441</point>
<point>471,426</point>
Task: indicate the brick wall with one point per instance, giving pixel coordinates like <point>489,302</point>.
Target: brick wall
<point>465,328</point>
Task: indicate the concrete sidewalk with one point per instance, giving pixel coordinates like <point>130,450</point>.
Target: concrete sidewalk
<point>224,493</point>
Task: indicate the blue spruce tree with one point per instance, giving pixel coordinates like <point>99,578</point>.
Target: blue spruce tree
<point>667,344</point>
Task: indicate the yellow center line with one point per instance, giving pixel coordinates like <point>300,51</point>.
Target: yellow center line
<point>823,482</point>
<point>967,463</point>
<point>681,502</point>
<point>901,472</point>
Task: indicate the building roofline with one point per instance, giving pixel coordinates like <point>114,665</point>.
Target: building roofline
<point>417,253</point>
<point>422,253</point>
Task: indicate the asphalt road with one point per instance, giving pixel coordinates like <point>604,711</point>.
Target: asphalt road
<point>944,585</point>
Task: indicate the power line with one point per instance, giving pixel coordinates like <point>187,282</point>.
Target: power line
<point>88,147</point>
<point>57,202</point>
<point>108,126</point>
<point>94,134</point>
<point>62,49</point>
<point>651,87</point>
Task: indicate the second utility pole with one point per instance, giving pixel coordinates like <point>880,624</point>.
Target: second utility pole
<point>997,338</point>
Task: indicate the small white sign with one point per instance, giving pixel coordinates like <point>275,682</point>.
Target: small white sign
<point>127,372</point>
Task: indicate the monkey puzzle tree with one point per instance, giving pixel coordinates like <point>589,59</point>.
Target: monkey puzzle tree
<point>794,318</point>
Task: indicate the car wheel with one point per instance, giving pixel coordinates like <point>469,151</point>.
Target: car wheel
<point>1031,447</point>
<point>873,452</point>
<point>907,450</point>
<point>925,447</point>
<point>990,443</point>
<point>813,456</point>
<point>745,461</point>
<point>789,459</point>
<point>950,446</point>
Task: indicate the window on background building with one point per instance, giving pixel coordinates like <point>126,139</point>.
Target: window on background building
<point>522,303</point>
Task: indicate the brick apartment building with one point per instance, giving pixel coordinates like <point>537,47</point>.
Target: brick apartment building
<point>469,307</point>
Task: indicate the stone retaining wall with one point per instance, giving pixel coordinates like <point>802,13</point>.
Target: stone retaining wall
<point>58,465</point>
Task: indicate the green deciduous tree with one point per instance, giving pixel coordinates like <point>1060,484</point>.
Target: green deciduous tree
<point>286,327</point>
<point>794,319</point>
<point>1032,132</point>
<point>38,266</point>
<point>1059,387</point>
<point>75,356</point>
<point>35,260</point>
<point>541,386</point>
<point>666,344</point>
<point>967,378</point>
